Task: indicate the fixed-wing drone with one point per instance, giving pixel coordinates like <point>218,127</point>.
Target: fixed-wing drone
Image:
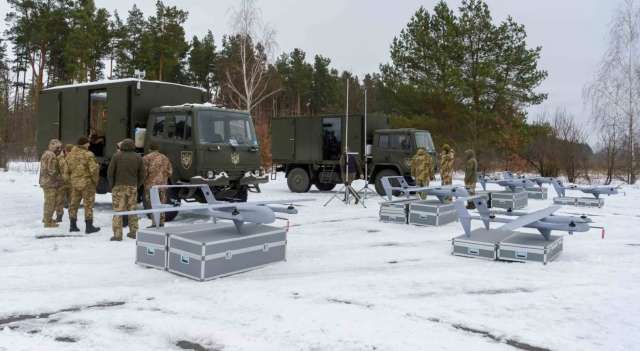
<point>537,180</point>
<point>404,189</point>
<point>593,190</point>
<point>258,212</point>
<point>543,220</point>
<point>508,181</point>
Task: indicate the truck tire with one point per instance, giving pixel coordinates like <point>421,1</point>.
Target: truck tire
<point>383,173</point>
<point>298,181</point>
<point>325,186</point>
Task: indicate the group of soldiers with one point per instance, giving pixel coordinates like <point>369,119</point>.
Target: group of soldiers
<point>423,168</point>
<point>70,174</point>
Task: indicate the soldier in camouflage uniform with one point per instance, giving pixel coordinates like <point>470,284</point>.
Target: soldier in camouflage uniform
<point>446,164</point>
<point>83,176</point>
<point>63,195</point>
<point>50,181</point>
<point>157,171</point>
<point>126,174</point>
<point>422,168</point>
<point>470,174</point>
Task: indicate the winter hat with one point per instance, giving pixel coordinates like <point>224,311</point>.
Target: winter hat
<point>154,146</point>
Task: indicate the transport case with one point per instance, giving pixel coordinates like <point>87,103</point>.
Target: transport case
<point>482,243</point>
<point>431,212</point>
<point>538,193</point>
<point>395,211</point>
<point>509,200</point>
<point>522,247</point>
<point>219,250</point>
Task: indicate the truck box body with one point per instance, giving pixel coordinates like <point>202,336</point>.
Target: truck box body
<point>117,106</point>
<point>309,139</point>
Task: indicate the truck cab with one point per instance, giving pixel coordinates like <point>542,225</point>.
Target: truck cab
<point>208,145</point>
<point>392,150</point>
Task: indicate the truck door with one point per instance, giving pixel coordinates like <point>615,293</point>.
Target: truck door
<point>283,138</point>
<point>48,119</point>
<point>118,119</point>
<point>395,148</point>
<point>179,145</point>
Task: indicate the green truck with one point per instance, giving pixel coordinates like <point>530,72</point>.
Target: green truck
<point>205,143</point>
<point>308,149</point>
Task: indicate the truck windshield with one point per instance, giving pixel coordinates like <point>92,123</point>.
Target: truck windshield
<point>423,140</point>
<point>232,129</point>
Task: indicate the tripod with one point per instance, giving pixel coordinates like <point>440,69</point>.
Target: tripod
<point>347,189</point>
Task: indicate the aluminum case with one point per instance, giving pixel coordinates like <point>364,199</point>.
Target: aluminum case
<point>510,200</point>
<point>538,193</point>
<point>219,250</point>
<point>481,243</point>
<point>523,247</point>
<point>395,211</point>
<point>431,212</point>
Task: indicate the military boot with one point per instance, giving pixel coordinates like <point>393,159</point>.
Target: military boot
<point>131,235</point>
<point>73,227</point>
<point>50,223</point>
<point>90,228</point>
<point>115,238</point>
<point>59,218</point>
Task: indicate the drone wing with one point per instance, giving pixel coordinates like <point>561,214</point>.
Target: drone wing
<point>530,218</point>
<point>217,206</point>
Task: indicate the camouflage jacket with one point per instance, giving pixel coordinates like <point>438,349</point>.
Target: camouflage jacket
<point>446,162</point>
<point>50,171</point>
<point>470,168</point>
<point>421,166</point>
<point>83,168</point>
<point>157,169</point>
<point>64,168</point>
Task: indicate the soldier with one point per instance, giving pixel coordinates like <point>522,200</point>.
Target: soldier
<point>50,181</point>
<point>83,176</point>
<point>63,195</point>
<point>421,169</point>
<point>470,174</point>
<point>126,174</point>
<point>157,170</point>
<point>446,164</point>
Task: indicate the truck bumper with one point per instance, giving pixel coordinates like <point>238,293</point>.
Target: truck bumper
<point>220,180</point>
<point>254,179</point>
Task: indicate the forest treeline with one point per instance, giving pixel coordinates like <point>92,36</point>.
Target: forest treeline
<point>456,72</point>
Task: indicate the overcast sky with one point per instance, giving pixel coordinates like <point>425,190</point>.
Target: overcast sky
<point>356,34</point>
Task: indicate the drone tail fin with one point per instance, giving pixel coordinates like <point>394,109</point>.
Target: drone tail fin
<point>483,209</point>
<point>483,182</point>
<point>559,188</point>
<point>463,215</point>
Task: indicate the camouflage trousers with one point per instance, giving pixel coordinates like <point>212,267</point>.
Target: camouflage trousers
<point>422,182</point>
<point>88,197</point>
<point>124,198</point>
<point>49,204</point>
<point>163,198</point>
<point>447,178</point>
<point>63,196</point>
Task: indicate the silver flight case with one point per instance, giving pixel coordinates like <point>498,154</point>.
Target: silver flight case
<point>538,193</point>
<point>219,250</point>
<point>395,211</point>
<point>566,201</point>
<point>590,202</point>
<point>509,200</point>
<point>431,212</point>
<point>481,243</point>
<point>523,247</point>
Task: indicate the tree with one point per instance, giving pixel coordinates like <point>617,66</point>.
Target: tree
<point>88,42</point>
<point>202,62</point>
<point>252,44</point>
<point>129,54</point>
<point>164,43</point>
<point>297,80</point>
<point>615,91</point>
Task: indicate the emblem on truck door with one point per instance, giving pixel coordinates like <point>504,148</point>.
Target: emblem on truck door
<point>235,158</point>
<point>186,158</point>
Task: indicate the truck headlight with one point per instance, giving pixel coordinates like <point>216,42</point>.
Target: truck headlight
<point>209,174</point>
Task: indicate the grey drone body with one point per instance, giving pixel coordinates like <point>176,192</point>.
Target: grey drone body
<point>404,189</point>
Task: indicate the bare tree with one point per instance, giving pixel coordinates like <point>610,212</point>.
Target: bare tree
<point>257,43</point>
<point>572,149</point>
<point>615,92</point>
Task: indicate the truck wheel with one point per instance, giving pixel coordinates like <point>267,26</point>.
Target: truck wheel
<point>298,181</point>
<point>325,186</point>
<point>383,173</point>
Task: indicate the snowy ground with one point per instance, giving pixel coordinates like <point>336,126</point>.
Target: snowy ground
<point>350,283</point>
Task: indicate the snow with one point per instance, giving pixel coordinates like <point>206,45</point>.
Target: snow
<point>112,81</point>
<point>349,283</point>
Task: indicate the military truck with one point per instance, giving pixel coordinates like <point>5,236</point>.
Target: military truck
<point>308,149</point>
<point>205,143</point>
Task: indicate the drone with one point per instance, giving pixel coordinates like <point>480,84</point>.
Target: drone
<point>596,191</point>
<point>257,212</point>
<point>537,180</point>
<point>441,192</point>
<point>543,220</point>
<point>508,181</point>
